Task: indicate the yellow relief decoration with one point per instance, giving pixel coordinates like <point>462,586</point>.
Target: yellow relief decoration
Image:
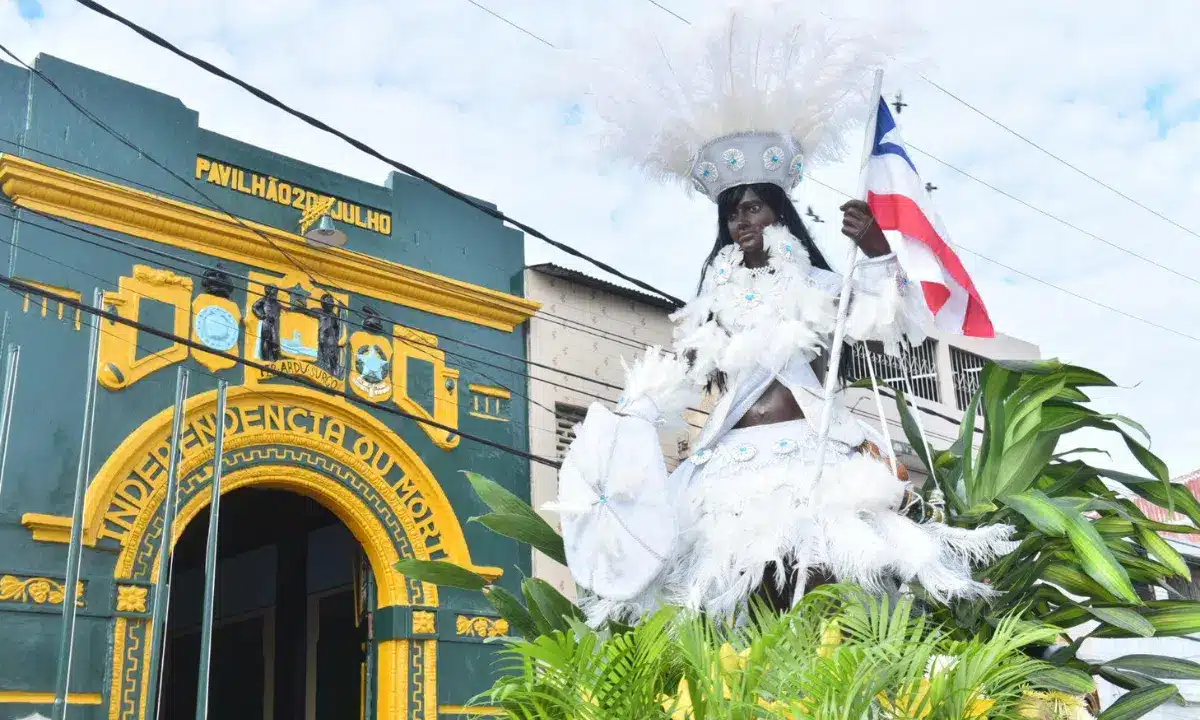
<point>37,590</point>
<point>423,347</point>
<point>483,627</point>
<point>131,598</point>
<point>121,360</point>
<point>31,299</point>
<point>424,622</point>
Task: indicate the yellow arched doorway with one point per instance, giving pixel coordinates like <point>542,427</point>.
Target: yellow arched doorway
<point>300,440</point>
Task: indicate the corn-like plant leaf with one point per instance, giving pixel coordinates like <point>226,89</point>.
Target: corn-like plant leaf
<point>496,497</point>
<point>1123,618</point>
<point>1071,579</point>
<point>1157,666</point>
<point>1173,496</point>
<point>1065,679</point>
<point>553,608</point>
<point>1039,510</point>
<point>442,573</point>
<point>510,608</point>
<point>532,531</point>
<point>1136,703</point>
<point>1170,619</point>
<point>1023,410</point>
<point>1056,518</point>
<point>1163,552</point>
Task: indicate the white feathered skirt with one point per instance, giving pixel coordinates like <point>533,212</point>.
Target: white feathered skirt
<point>751,501</point>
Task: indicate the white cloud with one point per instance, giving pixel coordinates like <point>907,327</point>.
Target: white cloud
<point>451,90</point>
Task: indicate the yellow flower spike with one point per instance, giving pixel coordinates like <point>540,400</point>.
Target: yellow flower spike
<point>831,638</point>
<point>978,709</point>
<point>908,705</point>
<point>682,702</point>
<point>1053,705</point>
<point>731,660</point>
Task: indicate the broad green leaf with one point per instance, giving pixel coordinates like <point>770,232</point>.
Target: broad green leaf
<point>1172,496</point>
<point>1082,451</point>
<point>1023,461</point>
<point>966,436</point>
<point>1096,558</point>
<point>1064,679</point>
<point>911,432</point>
<point>1113,527</point>
<point>1123,618</point>
<point>1056,518</point>
<point>1073,580</point>
<point>1028,367</point>
<point>1066,616</point>
<point>1024,410</point>
<point>1137,703</point>
<point>511,609</point>
<point>1083,377</point>
<point>1157,666</point>
<point>442,573</point>
<point>1070,394</point>
<point>1040,511</point>
<point>1162,550</point>
<point>995,382</point>
<point>551,606</point>
<point>1169,618</point>
<point>497,498</point>
<point>531,531</point>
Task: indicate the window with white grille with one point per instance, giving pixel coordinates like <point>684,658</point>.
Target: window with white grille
<point>965,368</point>
<point>566,417</point>
<point>917,365</point>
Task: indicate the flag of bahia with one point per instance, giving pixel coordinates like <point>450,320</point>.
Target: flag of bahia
<point>904,210</point>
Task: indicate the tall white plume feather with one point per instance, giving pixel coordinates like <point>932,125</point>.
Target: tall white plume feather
<point>764,65</point>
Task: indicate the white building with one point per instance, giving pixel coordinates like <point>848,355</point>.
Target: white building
<point>586,326</point>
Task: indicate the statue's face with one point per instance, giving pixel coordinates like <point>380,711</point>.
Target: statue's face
<point>748,221</point>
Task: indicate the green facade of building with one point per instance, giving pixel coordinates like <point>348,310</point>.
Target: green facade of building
<point>321,494</point>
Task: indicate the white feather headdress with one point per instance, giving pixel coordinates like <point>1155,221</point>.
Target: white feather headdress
<point>757,94</point>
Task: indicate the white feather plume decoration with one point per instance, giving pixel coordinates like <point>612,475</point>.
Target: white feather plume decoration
<point>763,66</point>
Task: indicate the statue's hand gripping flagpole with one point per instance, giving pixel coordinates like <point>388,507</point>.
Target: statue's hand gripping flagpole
<point>839,329</point>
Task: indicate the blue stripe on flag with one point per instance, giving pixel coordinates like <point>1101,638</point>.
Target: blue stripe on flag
<point>885,124</point>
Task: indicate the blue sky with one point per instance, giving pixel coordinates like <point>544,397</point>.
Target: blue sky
<point>30,9</point>
<point>1166,110</point>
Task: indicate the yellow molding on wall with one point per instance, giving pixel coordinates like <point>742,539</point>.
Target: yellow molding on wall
<point>25,697</point>
<point>135,212</point>
<point>491,391</point>
<point>469,710</point>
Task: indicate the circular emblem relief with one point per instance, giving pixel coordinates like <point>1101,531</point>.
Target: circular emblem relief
<point>217,328</point>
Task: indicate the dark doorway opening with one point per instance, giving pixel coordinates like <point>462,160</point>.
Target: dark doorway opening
<point>289,636</point>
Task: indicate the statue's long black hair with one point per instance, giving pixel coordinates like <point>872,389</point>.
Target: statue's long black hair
<point>777,199</point>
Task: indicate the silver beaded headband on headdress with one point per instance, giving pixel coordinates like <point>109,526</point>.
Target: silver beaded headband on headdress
<point>747,158</point>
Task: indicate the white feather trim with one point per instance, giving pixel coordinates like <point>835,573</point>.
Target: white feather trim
<point>657,387</point>
<point>759,66</point>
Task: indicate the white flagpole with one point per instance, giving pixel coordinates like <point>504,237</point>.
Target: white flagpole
<point>839,330</point>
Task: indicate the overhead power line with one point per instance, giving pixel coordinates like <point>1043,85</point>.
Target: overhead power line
<point>543,314</point>
<point>1047,283</point>
<point>510,23</point>
<point>24,287</point>
<point>1054,217</point>
<point>1058,158</point>
<point>142,153</point>
<point>362,146</point>
<point>1042,149</point>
